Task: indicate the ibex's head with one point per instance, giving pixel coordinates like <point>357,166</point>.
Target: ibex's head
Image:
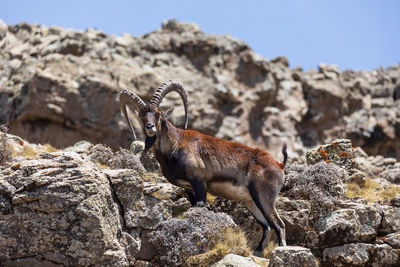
<point>149,114</point>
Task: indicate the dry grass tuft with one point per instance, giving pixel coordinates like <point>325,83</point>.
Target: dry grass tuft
<point>28,152</point>
<point>372,191</point>
<point>234,238</point>
<point>267,252</point>
<point>210,199</point>
<point>49,148</point>
<point>231,241</point>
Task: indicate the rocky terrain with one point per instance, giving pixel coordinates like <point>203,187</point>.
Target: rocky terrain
<point>60,86</point>
<point>87,205</point>
<point>70,203</point>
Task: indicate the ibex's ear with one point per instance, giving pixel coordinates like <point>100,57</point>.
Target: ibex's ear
<point>167,113</point>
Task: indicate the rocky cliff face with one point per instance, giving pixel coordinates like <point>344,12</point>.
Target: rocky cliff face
<point>60,86</point>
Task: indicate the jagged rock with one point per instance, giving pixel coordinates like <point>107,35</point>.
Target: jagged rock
<point>355,254</point>
<point>393,240</point>
<point>145,208</point>
<point>360,254</point>
<point>178,239</point>
<point>379,167</point>
<point>292,256</point>
<point>339,152</point>
<point>348,225</point>
<point>81,147</point>
<point>123,159</point>
<point>390,219</point>
<point>148,160</point>
<point>232,260</point>
<point>62,210</point>
<point>296,216</point>
<point>321,183</point>
<point>69,82</point>
<point>384,255</point>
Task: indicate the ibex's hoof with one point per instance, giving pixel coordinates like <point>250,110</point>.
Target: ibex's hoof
<point>200,204</point>
<point>257,253</point>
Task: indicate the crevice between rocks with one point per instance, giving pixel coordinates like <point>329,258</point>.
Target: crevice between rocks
<point>118,201</point>
<point>39,258</point>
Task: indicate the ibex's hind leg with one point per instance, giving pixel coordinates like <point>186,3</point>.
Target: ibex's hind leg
<point>266,206</point>
<point>281,225</point>
<point>264,224</point>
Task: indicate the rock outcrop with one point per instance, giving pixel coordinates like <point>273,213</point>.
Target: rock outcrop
<point>60,86</point>
<point>67,208</point>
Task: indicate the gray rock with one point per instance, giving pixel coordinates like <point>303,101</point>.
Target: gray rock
<point>390,219</point>
<point>178,239</point>
<point>339,152</point>
<point>292,256</point>
<point>296,216</point>
<point>232,260</point>
<point>321,183</point>
<point>355,254</point>
<point>80,147</point>
<point>348,225</point>
<point>59,201</point>
<point>384,255</point>
<point>147,159</point>
<point>393,240</point>
<point>360,254</point>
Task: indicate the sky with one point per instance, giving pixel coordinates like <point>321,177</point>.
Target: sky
<point>353,34</point>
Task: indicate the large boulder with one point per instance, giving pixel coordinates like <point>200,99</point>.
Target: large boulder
<point>198,230</point>
<point>390,219</point>
<point>348,225</point>
<point>361,254</point>
<point>321,183</point>
<point>62,209</point>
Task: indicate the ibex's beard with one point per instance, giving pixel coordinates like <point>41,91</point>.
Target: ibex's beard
<point>149,142</point>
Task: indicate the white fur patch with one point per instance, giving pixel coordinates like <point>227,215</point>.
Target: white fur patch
<point>228,191</point>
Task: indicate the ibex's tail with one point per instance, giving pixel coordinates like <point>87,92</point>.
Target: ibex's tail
<point>285,156</point>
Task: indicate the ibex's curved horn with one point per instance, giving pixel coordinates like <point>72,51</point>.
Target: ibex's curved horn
<point>166,88</point>
<point>128,97</point>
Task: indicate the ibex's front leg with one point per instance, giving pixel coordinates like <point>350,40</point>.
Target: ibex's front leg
<point>191,197</point>
<point>200,191</point>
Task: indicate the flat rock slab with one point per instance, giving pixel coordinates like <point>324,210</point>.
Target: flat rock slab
<point>292,256</point>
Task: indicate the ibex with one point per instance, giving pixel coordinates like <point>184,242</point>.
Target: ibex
<point>200,163</point>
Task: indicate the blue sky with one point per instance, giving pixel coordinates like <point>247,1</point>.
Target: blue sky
<point>354,34</point>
